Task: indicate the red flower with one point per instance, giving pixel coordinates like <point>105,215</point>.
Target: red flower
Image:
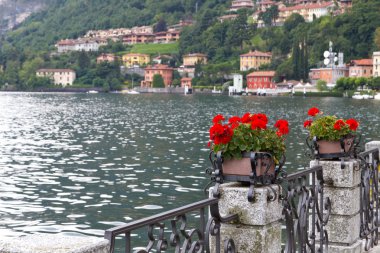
<point>218,118</point>
<point>339,124</point>
<point>209,144</point>
<point>234,121</point>
<point>282,126</point>
<point>313,111</point>
<point>260,116</point>
<point>221,134</point>
<point>246,118</point>
<point>353,124</point>
<point>307,123</point>
<point>258,124</point>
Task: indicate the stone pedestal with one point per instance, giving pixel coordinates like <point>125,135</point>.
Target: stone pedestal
<point>259,226</point>
<point>47,243</point>
<point>342,186</point>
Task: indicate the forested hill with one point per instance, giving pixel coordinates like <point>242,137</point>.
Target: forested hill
<point>72,18</point>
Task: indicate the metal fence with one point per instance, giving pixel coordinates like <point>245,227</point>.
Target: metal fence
<point>369,197</point>
<point>305,213</point>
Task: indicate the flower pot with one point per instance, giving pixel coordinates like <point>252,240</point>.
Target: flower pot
<point>260,164</point>
<point>334,149</point>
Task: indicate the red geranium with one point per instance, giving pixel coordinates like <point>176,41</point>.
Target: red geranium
<point>221,134</point>
<point>218,118</point>
<point>246,118</point>
<point>234,121</point>
<point>339,124</point>
<point>307,123</point>
<point>313,111</point>
<point>282,126</point>
<point>261,117</point>
<point>353,124</point>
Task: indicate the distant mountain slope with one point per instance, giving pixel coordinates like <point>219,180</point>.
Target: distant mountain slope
<point>72,18</point>
<point>13,12</point>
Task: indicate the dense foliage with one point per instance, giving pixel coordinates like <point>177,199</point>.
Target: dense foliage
<point>296,46</point>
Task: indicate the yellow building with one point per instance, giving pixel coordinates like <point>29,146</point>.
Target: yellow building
<point>253,60</point>
<point>192,59</point>
<point>130,60</point>
<point>58,76</point>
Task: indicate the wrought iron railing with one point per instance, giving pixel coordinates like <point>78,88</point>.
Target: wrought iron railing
<point>181,239</point>
<point>306,211</point>
<point>369,198</point>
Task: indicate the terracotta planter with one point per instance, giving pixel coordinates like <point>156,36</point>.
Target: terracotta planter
<point>335,147</point>
<point>242,167</point>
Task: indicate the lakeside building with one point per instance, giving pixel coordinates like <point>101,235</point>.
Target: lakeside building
<point>164,70</point>
<point>87,45</point>
<point>190,60</point>
<point>241,4</point>
<point>59,76</point>
<point>186,81</point>
<point>254,59</point>
<point>105,58</point>
<point>135,59</point>
<point>168,36</point>
<point>361,68</point>
<point>260,80</point>
<point>376,64</point>
<point>329,75</point>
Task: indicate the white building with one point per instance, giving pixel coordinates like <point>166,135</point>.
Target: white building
<point>87,45</point>
<point>376,64</point>
<point>59,76</point>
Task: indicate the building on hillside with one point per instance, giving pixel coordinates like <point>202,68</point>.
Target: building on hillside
<point>254,59</point>
<point>376,64</point>
<point>58,76</point>
<point>181,24</point>
<point>87,45</point>
<point>260,80</point>
<point>186,81</point>
<point>307,11</point>
<point>137,38</point>
<point>329,75</point>
<point>166,36</point>
<point>164,70</point>
<point>190,60</point>
<point>227,17</point>
<point>241,4</point>
<point>361,68</point>
<point>135,59</point>
<point>105,58</point>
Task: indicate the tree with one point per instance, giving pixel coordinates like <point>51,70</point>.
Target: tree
<point>321,85</point>
<point>158,81</point>
<point>160,26</point>
<point>293,21</point>
<point>377,38</point>
<point>270,16</point>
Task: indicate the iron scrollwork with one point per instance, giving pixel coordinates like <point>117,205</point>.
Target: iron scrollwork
<point>181,239</point>
<point>258,160</point>
<point>306,212</point>
<point>369,198</point>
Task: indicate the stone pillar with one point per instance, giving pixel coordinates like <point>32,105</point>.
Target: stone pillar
<point>259,225</point>
<point>48,243</point>
<point>371,145</point>
<point>342,186</point>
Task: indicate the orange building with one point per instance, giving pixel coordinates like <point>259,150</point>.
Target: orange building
<point>261,80</point>
<point>186,81</point>
<point>105,58</point>
<point>329,75</point>
<point>164,70</point>
<point>190,60</point>
<point>136,38</point>
<point>361,68</point>
<point>167,36</point>
<point>253,60</point>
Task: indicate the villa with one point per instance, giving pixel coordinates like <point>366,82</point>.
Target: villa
<point>59,76</point>
<point>135,59</point>
<point>164,70</point>
<point>254,59</point>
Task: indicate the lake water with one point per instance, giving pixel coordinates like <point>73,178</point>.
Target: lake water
<point>82,163</point>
